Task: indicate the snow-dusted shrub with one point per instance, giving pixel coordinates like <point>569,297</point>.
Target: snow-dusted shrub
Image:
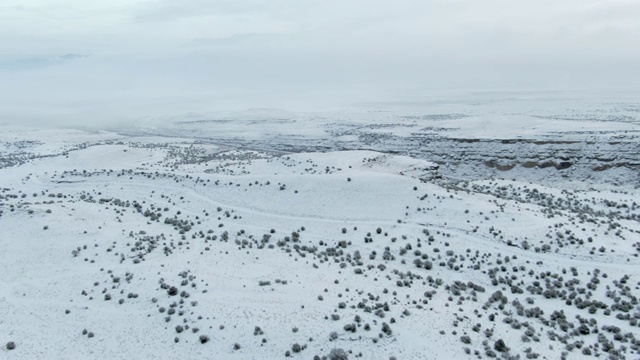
<point>338,354</point>
<point>500,346</point>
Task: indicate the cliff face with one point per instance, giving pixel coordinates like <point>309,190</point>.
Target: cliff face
<point>595,159</point>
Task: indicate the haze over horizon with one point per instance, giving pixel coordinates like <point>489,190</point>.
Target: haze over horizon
<point>72,61</point>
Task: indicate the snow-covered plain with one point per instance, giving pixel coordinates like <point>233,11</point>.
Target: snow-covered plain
<point>162,245</point>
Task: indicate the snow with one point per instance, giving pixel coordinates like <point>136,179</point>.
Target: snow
<point>515,126</point>
<point>78,219</point>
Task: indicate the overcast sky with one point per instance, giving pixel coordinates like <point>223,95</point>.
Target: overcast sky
<point>131,58</point>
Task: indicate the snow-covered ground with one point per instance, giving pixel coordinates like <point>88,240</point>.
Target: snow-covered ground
<point>177,244</point>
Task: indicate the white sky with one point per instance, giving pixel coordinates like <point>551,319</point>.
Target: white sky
<point>133,58</point>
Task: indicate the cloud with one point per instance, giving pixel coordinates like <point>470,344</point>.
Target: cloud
<point>166,10</point>
<point>149,56</point>
<point>21,63</point>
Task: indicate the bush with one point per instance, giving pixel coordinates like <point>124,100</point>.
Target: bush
<point>386,329</point>
<point>500,346</point>
<point>11,345</point>
<point>338,354</point>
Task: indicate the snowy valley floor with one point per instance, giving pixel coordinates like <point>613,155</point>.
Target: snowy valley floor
<point>164,248</point>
